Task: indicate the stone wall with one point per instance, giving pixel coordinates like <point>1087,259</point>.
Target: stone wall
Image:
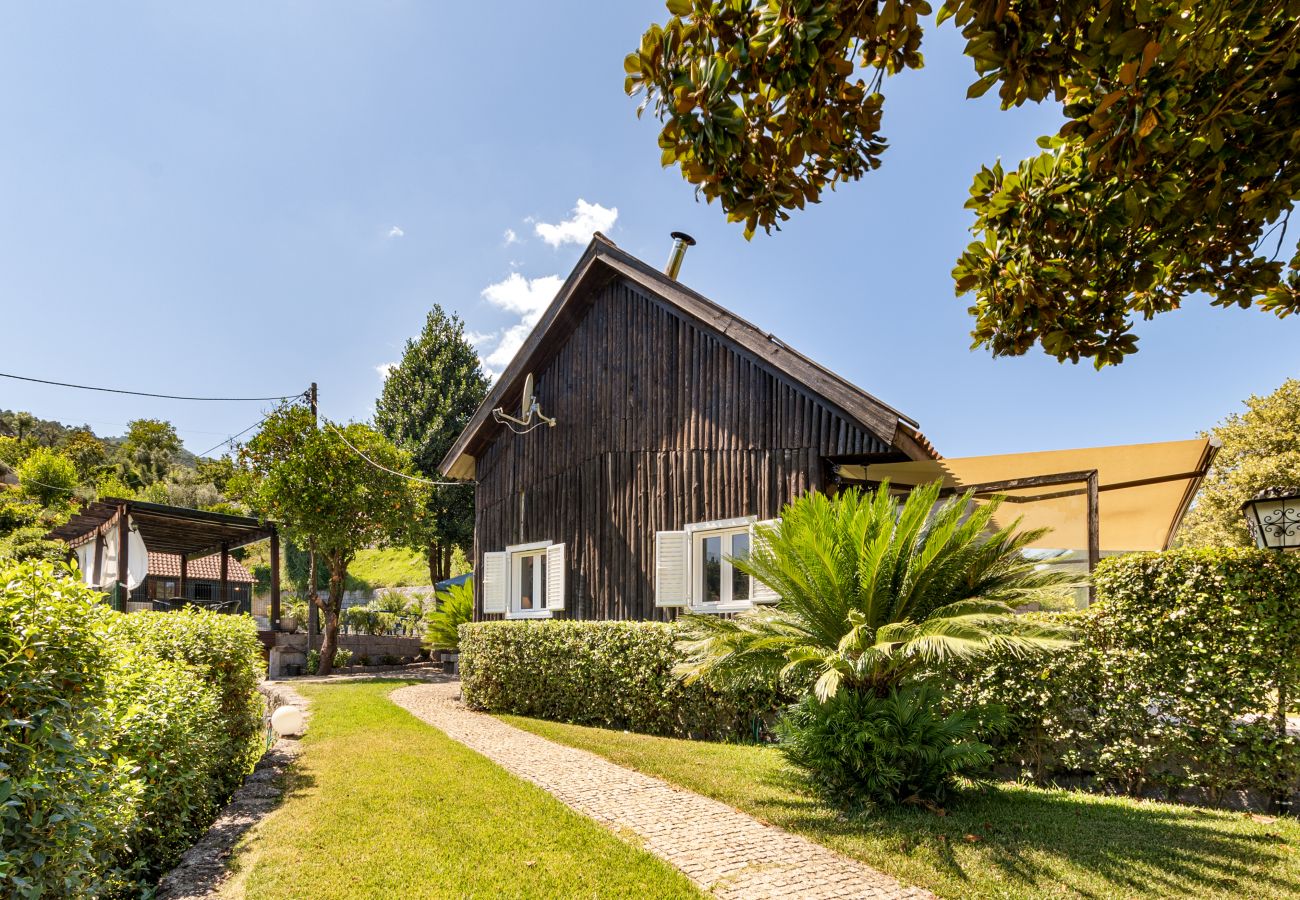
<point>293,647</point>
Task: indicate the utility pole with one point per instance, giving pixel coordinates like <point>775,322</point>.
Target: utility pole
<point>313,612</point>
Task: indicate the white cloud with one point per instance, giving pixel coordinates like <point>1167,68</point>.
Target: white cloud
<point>526,298</point>
<point>511,237</point>
<point>577,229</point>
<point>396,232</point>
<point>385,369</point>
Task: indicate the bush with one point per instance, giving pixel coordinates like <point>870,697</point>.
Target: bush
<point>121,734</point>
<point>610,674</point>
<point>227,654</point>
<point>59,796</point>
<point>1173,683</point>
<point>862,750</point>
<point>168,722</point>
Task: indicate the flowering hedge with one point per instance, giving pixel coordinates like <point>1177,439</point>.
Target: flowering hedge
<point>120,735</point>
<point>1173,683</point>
<point>611,674</point>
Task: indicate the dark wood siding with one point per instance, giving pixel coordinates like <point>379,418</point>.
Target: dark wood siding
<point>660,422</point>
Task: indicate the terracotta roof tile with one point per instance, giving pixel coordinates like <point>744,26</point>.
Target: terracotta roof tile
<point>167,565</point>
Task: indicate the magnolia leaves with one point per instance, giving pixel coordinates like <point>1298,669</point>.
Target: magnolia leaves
<point>1174,173</point>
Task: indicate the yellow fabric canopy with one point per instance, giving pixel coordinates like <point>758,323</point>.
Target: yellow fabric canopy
<point>1144,489</point>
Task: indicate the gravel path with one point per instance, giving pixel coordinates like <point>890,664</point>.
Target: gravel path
<point>723,850</point>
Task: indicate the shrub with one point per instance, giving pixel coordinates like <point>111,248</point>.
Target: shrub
<point>58,783</point>
<point>167,720</point>
<point>1173,683</point>
<point>863,750</point>
<point>455,607</point>
<point>227,654</point>
<point>389,659</point>
<point>611,674</point>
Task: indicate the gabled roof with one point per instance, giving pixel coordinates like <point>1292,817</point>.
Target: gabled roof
<point>603,262</point>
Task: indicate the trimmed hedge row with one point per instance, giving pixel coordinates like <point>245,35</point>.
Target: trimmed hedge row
<point>1172,685</point>
<point>610,674</point>
<point>120,735</point>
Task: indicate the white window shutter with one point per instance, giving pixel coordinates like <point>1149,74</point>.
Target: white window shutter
<point>672,581</point>
<point>759,592</point>
<point>496,577</point>
<point>555,573</point>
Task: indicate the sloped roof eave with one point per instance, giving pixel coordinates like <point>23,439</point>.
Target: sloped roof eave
<point>603,257</point>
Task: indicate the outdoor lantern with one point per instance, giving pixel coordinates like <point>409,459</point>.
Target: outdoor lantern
<point>1273,517</point>
<point>287,720</point>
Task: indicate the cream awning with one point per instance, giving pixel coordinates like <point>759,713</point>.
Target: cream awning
<point>1144,489</point>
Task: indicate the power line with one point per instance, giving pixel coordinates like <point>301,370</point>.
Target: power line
<point>385,468</point>
<point>235,437</point>
<point>87,387</point>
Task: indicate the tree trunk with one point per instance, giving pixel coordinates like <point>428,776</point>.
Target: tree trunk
<point>333,608</point>
<point>439,557</point>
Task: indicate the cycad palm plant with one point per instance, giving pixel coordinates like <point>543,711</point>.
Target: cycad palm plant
<point>873,590</point>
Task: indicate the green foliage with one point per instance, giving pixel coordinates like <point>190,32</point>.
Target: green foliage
<point>1261,448</point>
<point>426,402</point>
<point>121,734</point>
<point>1170,175</point>
<point>87,453</point>
<point>58,803</point>
<point>613,674</point>
<point>167,720</point>
<point>325,494</point>
<point>873,590</point>
<point>861,750</point>
<point>225,652</point>
<point>23,526</point>
<point>48,477</point>
<point>1173,683</point>
<point>342,658</point>
<point>150,447</point>
<point>454,607</point>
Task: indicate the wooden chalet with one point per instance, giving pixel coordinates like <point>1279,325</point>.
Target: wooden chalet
<point>677,427</point>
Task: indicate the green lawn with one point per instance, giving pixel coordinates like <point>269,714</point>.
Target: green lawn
<point>1016,842</point>
<point>388,567</point>
<point>383,805</point>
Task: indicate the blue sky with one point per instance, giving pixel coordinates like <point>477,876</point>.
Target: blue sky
<point>241,198</point>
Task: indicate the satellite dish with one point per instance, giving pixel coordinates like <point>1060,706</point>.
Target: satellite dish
<point>528,408</point>
<point>526,401</point>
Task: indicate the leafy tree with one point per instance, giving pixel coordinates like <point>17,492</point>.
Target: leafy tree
<point>1174,172</point>
<point>425,404</point>
<point>86,451</point>
<point>324,493</point>
<point>216,472</point>
<point>17,424</point>
<point>149,450</point>
<point>48,477</point>
<point>1261,448</point>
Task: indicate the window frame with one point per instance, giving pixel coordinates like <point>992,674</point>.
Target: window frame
<point>513,593</point>
<point>696,534</point>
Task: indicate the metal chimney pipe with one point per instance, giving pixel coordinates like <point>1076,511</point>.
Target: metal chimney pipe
<point>681,240</point>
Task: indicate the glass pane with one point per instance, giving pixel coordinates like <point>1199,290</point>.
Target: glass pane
<point>526,582</point>
<point>739,580</point>
<point>541,582</point>
<point>712,588</point>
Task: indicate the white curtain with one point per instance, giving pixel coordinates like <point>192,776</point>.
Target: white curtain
<point>137,557</point>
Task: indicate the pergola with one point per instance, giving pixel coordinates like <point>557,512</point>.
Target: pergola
<point>185,533</point>
<point>1114,499</point>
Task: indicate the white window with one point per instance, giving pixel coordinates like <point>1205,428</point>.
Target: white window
<point>525,581</point>
<point>694,567</point>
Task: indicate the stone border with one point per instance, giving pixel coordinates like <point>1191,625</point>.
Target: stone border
<point>205,866</point>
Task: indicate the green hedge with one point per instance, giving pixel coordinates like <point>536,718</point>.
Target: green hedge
<point>1173,683</point>
<point>611,674</point>
<point>121,735</point>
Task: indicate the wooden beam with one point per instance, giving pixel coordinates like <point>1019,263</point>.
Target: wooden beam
<point>123,562</point>
<point>225,576</point>
<point>185,562</point>
<point>275,581</point>
<point>1094,530</point>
